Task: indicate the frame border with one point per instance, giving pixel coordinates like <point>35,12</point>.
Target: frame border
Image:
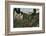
<point>7,20</point>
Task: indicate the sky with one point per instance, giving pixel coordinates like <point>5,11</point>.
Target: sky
<point>26,10</point>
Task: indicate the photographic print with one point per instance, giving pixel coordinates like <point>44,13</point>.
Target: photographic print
<point>25,17</point>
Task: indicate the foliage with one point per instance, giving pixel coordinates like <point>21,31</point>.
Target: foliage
<point>29,20</point>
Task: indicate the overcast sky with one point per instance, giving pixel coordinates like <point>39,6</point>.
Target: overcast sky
<point>26,10</point>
